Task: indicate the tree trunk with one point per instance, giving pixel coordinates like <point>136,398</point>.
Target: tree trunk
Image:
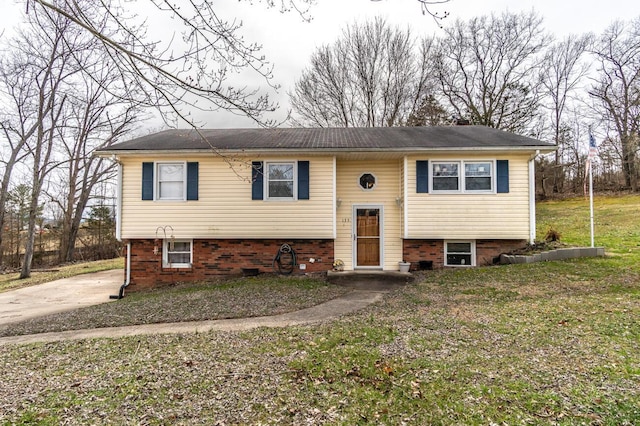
<point>29,248</point>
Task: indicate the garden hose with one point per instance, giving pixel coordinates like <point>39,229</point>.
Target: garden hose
<point>285,260</point>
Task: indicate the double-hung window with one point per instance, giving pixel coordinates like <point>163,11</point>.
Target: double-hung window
<point>177,253</point>
<point>462,176</point>
<point>170,180</point>
<point>477,176</point>
<point>280,181</point>
<point>446,176</point>
<point>171,183</point>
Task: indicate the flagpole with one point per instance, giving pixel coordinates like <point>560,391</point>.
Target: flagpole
<point>591,205</point>
<point>590,158</point>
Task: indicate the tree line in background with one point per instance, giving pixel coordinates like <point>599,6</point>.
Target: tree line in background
<point>60,100</point>
<point>502,71</point>
<point>79,74</point>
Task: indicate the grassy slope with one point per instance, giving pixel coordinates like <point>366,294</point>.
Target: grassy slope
<point>548,343</point>
<point>616,222</point>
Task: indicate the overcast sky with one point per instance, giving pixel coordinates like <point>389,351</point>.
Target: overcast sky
<point>288,42</point>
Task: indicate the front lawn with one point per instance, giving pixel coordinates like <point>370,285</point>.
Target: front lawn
<point>553,343</point>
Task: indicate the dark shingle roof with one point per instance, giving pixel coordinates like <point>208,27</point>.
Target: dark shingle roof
<point>332,139</point>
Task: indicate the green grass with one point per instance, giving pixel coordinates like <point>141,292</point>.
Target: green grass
<point>554,343</point>
<point>11,280</point>
<point>616,222</point>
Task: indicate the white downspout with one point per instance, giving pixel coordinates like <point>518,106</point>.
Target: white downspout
<point>119,203</point>
<point>405,199</point>
<point>127,275</point>
<point>532,198</point>
<point>127,265</point>
<point>335,201</point>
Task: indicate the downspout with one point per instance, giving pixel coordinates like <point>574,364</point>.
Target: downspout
<point>532,198</point>
<point>127,265</point>
<point>127,271</point>
<point>118,199</point>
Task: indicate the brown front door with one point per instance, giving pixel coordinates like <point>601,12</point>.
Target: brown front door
<point>367,237</point>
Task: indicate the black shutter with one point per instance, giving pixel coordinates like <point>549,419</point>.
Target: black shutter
<point>422,176</point>
<point>303,180</point>
<point>192,181</point>
<point>503,176</point>
<point>147,181</point>
<point>257,176</point>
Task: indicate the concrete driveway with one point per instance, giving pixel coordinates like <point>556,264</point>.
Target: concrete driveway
<point>58,296</point>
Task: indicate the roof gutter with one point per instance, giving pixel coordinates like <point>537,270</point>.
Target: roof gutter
<point>324,151</point>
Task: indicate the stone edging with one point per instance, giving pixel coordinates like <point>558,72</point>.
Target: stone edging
<point>559,254</point>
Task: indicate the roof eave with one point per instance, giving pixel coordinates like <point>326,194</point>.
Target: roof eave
<point>543,149</point>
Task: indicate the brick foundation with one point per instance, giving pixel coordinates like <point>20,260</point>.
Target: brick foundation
<point>415,251</point>
<point>215,258</point>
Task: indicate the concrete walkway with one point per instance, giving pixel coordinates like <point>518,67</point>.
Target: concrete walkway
<point>90,289</point>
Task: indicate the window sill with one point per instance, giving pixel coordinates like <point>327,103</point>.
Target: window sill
<point>180,266</point>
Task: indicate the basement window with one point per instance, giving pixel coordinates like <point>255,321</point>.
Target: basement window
<point>177,253</point>
<point>460,253</point>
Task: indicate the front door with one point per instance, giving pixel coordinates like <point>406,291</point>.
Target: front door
<point>367,236</point>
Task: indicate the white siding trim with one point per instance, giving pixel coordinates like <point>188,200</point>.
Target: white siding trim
<point>335,199</point>
<point>405,198</point>
<point>532,200</point>
<point>119,203</point>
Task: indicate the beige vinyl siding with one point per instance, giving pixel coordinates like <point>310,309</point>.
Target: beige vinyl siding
<point>467,215</point>
<point>348,191</point>
<point>225,208</point>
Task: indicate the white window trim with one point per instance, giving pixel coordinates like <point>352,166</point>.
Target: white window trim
<point>266,180</point>
<point>156,180</point>
<point>473,253</point>
<point>165,254</point>
<point>462,177</point>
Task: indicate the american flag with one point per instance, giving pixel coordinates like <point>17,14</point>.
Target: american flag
<point>593,149</point>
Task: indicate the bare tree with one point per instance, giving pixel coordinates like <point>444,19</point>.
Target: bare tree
<point>374,75</point>
<point>96,118</point>
<point>562,72</point>
<point>31,113</point>
<point>617,92</point>
<point>50,56</point>
<point>188,68</point>
<point>487,69</point>
<point>194,65</point>
<point>16,124</point>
